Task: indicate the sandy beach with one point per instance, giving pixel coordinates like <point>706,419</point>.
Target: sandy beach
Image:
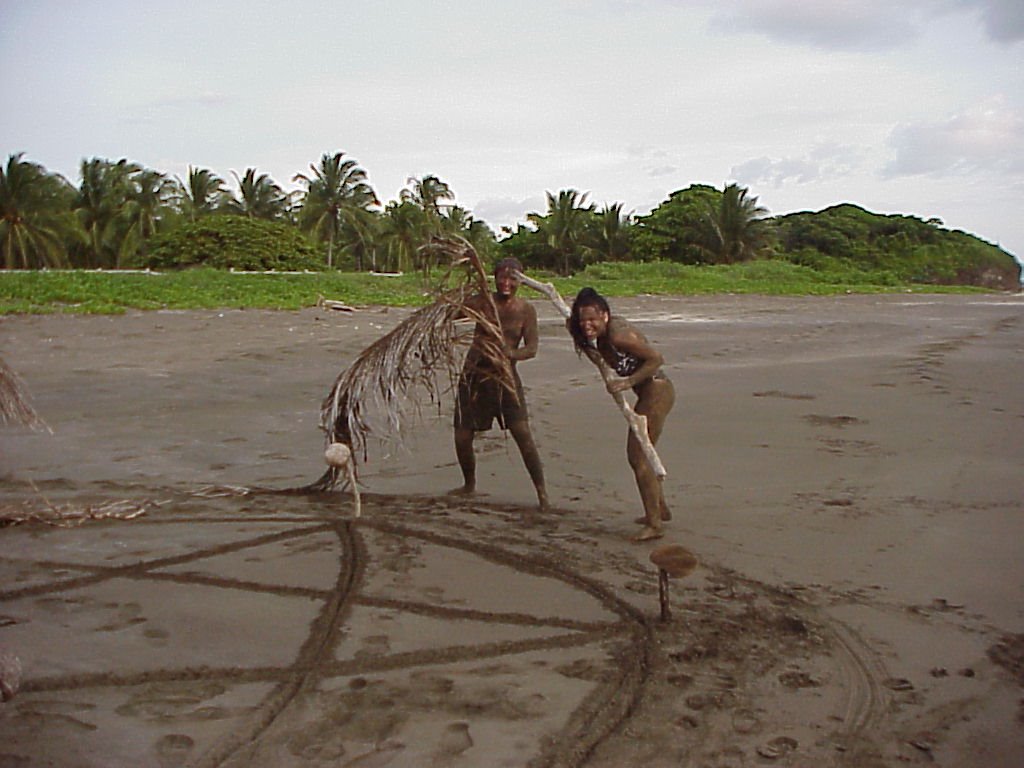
<point>847,470</point>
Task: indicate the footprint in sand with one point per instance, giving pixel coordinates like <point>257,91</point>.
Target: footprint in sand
<point>455,740</point>
<point>156,636</point>
<point>898,684</point>
<point>126,615</point>
<point>832,421</point>
<point>795,679</point>
<point>745,721</point>
<point>778,747</point>
<point>173,749</point>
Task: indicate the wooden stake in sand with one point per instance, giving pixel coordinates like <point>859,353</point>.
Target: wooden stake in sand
<point>339,457</point>
<point>637,421</point>
<point>672,560</point>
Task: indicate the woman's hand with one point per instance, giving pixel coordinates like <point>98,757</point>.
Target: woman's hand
<point>618,384</point>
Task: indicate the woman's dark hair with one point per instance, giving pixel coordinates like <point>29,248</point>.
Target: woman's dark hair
<point>587,297</point>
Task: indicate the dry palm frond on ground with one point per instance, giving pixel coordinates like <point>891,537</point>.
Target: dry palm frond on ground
<point>14,405</point>
<point>71,515</point>
<point>383,390</point>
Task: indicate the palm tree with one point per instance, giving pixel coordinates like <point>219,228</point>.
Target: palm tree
<point>100,208</point>
<point>203,194</point>
<point>426,193</point>
<point>564,224</point>
<point>149,203</point>
<point>259,197</point>
<point>336,195</point>
<point>459,221</point>
<point>361,234</point>
<point>33,207</point>
<point>404,228</point>
<point>610,235</point>
<point>736,229</point>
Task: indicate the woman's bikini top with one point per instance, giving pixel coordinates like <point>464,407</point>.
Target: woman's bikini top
<point>625,363</point>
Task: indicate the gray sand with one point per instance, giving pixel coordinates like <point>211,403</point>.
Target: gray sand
<point>846,469</point>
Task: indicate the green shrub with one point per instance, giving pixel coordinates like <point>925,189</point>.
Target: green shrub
<point>234,242</point>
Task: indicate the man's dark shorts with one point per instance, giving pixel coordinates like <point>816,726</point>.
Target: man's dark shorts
<point>482,399</point>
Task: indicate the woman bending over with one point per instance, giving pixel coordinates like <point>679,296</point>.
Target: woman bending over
<point>638,366</point>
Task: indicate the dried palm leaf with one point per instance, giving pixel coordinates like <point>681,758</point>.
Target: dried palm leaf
<point>381,392</point>
<point>14,404</point>
<point>71,515</point>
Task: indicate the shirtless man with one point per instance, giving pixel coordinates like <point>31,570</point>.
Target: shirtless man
<point>481,398</point>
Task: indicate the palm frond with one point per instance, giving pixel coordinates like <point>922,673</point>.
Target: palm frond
<point>15,407</point>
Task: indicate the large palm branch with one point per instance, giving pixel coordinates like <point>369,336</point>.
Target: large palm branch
<point>15,407</point>
<point>382,390</point>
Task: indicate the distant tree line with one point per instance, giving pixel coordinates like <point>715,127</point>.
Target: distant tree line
<point>123,215</point>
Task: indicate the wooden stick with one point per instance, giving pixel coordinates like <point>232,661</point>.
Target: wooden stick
<point>666,612</point>
<point>637,421</point>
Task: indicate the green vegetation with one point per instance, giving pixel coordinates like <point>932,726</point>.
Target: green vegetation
<point>847,237</point>
<point>78,291</point>
<point>233,242</point>
<point>114,292</point>
<point>768,277</point>
<point>700,239</point>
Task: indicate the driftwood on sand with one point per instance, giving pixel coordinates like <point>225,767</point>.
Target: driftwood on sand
<point>637,421</point>
<point>382,391</point>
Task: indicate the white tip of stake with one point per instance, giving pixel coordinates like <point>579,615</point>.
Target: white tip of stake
<point>337,455</point>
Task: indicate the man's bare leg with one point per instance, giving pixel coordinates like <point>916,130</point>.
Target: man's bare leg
<point>531,458</point>
<point>467,461</point>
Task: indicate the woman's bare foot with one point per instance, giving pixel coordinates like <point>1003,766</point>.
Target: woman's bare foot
<point>648,533</point>
<point>665,515</point>
<point>462,490</point>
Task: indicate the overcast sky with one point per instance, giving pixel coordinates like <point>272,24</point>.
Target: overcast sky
<point>901,106</point>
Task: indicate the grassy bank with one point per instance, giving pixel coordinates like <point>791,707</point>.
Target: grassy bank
<point>116,292</point>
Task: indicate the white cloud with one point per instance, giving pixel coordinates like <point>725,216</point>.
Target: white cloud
<point>987,137</point>
<point>506,211</point>
<point>824,161</point>
<point>768,171</point>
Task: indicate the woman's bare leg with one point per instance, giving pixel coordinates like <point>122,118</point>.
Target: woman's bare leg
<point>655,402</point>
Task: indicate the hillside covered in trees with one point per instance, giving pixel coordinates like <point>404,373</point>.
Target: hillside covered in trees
<point>122,215</point>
